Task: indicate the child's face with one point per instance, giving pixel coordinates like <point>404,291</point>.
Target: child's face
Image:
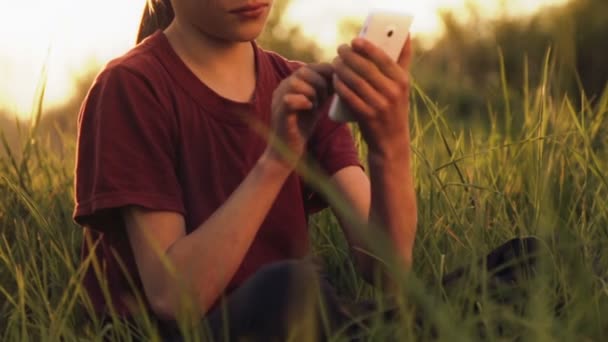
<point>221,18</point>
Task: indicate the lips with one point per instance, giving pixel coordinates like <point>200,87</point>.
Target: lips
<point>249,8</point>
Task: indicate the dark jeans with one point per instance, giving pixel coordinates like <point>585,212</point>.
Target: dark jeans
<point>267,305</point>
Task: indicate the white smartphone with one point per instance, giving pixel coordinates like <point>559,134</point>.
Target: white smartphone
<point>388,30</point>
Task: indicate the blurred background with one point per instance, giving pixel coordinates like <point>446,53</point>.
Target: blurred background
<point>468,53</point>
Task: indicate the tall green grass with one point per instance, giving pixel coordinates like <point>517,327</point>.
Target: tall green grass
<point>539,168</point>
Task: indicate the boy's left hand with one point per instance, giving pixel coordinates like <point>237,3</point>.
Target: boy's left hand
<point>376,89</point>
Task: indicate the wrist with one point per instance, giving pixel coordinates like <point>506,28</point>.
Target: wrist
<point>388,144</point>
<point>274,166</point>
<point>394,154</point>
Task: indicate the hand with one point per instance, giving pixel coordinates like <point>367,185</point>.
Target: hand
<point>376,90</point>
<point>294,114</point>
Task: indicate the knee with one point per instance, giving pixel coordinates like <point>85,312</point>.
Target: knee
<point>282,292</point>
<point>516,256</point>
<point>524,246</point>
<point>516,248</point>
<point>282,281</point>
<point>283,270</point>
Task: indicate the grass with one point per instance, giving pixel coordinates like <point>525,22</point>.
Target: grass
<point>538,169</point>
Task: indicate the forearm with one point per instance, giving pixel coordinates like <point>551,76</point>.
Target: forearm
<point>377,87</point>
<point>393,200</point>
<point>388,202</point>
<point>209,257</point>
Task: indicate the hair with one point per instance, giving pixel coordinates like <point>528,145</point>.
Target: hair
<point>158,14</point>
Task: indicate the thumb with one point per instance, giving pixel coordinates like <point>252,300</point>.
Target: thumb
<point>405,59</point>
<point>324,69</point>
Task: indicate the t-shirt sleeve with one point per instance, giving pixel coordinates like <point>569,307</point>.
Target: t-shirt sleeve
<point>126,150</point>
<point>333,148</point>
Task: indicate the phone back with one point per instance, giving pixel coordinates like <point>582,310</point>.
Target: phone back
<point>387,30</point>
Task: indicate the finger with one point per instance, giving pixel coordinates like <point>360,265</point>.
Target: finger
<point>359,108</point>
<point>324,69</point>
<point>296,85</point>
<point>359,85</point>
<point>381,59</point>
<point>405,59</point>
<point>365,69</point>
<point>294,103</point>
<point>315,77</point>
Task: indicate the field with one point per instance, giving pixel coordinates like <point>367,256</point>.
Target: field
<point>537,167</point>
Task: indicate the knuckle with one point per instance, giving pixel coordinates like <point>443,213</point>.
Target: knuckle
<point>366,113</point>
<point>308,69</point>
<point>404,81</point>
<point>300,73</point>
<point>321,82</point>
<point>343,49</point>
<point>359,83</point>
<point>384,58</point>
<point>393,94</point>
<point>294,83</point>
<point>384,105</point>
<point>338,63</point>
<point>315,79</point>
<point>317,69</point>
<point>374,54</point>
<point>286,100</point>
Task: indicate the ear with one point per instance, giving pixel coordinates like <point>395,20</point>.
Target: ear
<point>405,59</point>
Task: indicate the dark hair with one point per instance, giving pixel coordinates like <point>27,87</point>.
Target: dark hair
<point>158,14</point>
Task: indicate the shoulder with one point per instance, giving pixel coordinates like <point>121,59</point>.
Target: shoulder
<point>131,86</point>
<point>139,65</point>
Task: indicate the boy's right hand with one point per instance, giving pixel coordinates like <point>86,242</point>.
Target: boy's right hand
<point>294,110</point>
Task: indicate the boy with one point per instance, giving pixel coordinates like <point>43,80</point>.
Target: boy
<point>170,166</point>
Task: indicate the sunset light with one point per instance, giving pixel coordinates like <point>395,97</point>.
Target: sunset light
<point>179,190</point>
<point>79,34</point>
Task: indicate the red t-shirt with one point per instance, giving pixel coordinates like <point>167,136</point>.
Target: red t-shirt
<point>150,133</point>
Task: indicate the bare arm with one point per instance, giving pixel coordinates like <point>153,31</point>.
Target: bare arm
<point>395,201</point>
<point>205,260</point>
<point>393,204</point>
<point>377,90</point>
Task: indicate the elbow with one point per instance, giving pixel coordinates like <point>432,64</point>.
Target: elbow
<point>167,305</point>
<point>162,301</point>
<point>160,295</point>
<point>162,307</point>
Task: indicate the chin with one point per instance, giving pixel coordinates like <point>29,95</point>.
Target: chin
<point>247,34</point>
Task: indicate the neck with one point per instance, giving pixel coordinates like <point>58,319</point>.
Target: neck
<point>204,54</point>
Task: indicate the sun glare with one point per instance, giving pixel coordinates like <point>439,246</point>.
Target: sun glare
<point>67,35</point>
<point>427,24</point>
<point>71,34</point>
